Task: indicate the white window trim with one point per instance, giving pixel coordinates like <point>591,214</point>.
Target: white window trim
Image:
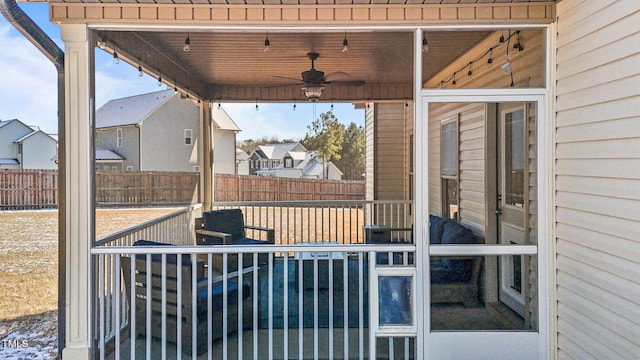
<point>119,137</point>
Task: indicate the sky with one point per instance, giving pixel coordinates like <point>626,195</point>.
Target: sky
<point>28,88</point>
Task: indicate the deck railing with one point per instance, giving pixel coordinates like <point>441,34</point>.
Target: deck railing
<point>308,301</point>
<point>324,221</point>
<point>312,223</point>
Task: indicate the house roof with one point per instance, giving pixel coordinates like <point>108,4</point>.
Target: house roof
<point>22,139</point>
<point>297,155</point>
<point>131,110</point>
<point>5,122</point>
<point>9,161</point>
<point>104,154</point>
<point>222,120</point>
<point>277,151</point>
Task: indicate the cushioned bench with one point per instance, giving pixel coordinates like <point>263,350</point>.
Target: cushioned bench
<point>453,279</point>
<point>186,321</point>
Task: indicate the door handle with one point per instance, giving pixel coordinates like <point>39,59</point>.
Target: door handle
<point>499,212</point>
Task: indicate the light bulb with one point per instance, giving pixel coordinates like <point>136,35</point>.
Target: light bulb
<point>187,44</point>
<point>425,45</point>
<point>140,73</point>
<point>175,89</point>
<point>267,43</point>
<point>160,80</point>
<point>294,107</point>
<point>102,44</point>
<point>345,45</point>
<point>116,59</point>
<point>257,108</point>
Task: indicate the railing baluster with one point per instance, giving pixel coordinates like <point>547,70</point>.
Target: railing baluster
<point>148,304</point>
<point>270,302</point>
<point>164,305</point>
<point>300,306</point>
<point>116,275</point>
<point>255,306</point>
<point>330,280</point>
<point>285,327</point>
<point>194,305</point>
<point>361,306</point>
<point>101,292</point>
<point>179,305</point>
<point>315,307</point>
<point>240,299</point>
<point>225,298</point>
<point>345,302</point>
<point>209,305</point>
<point>132,305</point>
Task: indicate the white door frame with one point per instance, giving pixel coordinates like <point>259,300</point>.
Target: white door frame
<point>494,344</point>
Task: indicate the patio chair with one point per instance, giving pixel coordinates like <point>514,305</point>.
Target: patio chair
<point>226,227</point>
<point>186,320</point>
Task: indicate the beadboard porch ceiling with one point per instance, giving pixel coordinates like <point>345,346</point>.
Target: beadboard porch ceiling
<point>233,66</point>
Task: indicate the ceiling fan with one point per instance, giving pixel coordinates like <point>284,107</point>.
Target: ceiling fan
<point>314,81</point>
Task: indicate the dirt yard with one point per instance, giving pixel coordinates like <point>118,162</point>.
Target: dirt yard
<point>29,271</point>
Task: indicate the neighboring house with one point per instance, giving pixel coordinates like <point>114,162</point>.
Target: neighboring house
<point>224,142</point>
<point>135,133</point>
<point>242,162</point>
<point>269,156</point>
<point>304,165</point>
<point>24,147</point>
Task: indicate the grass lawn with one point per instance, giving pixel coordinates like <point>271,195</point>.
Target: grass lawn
<point>29,270</point>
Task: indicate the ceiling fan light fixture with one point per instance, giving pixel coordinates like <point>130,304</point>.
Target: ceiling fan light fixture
<point>313,93</point>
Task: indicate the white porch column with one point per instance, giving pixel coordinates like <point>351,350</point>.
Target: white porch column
<point>79,214</point>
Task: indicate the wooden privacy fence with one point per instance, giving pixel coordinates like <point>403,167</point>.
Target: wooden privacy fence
<point>269,188</point>
<point>28,189</point>
<point>38,189</point>
<point>147,188</point>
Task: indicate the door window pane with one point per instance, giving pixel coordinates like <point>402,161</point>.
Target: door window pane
<point>514,158</point>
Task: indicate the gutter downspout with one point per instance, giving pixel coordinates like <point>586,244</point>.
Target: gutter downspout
<point>23,23</point>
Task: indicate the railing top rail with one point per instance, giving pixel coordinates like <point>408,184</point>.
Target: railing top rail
<point>135,228</point>
<point>221,249</point>
<point>308,202</point>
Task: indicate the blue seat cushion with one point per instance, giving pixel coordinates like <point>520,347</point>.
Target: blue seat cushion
<point>171,258</point>
<point>450,271</point>
<point>436,227</point>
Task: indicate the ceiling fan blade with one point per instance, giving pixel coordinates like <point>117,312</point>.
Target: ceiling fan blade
<point>288,78</point>
<point>347,83</point>
<point>335,76</point>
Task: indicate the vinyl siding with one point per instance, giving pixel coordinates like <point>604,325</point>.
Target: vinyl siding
<point>390,152</point>
<point>597,187</point>
<point>369,134</point>
<point>471,155</point>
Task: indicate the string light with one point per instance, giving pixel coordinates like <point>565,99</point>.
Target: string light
<point>501,37</point>
<point>140,73</point>
<point>294,105</point>
<point>267,43</point>
<point>506,67</point>
<point>187,44</point>
<point>345,43</point>
<point>101,44</point>
<point>159,80</point>
<point>116,59</point>
<point>425,45</point>
<point>257,108</point>
<point>175,89</point>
